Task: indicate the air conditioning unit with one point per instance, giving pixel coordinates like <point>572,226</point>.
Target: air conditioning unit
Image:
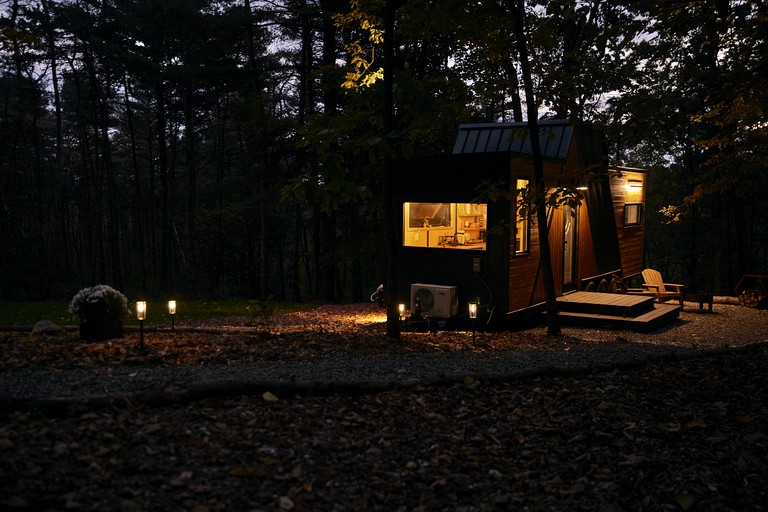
<point>436,300</point>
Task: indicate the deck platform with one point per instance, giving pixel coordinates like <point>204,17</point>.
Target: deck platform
<point>615,310</point>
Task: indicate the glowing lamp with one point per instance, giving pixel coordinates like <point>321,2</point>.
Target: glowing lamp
<point>141,310</point>
<point>634,184</point>
<point>172,312</point>
<point>401,310</point>
<point>473,310</point>
<point>141,314</point>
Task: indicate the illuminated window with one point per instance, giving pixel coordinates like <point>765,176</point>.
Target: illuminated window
<point>522,226</point>
<point>445,225</point>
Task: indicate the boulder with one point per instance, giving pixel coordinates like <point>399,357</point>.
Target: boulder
<point>48,328</point>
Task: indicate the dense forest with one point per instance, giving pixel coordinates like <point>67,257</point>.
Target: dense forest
<point>214,148</point>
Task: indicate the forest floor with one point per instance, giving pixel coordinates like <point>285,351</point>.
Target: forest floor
<point>684,432</point>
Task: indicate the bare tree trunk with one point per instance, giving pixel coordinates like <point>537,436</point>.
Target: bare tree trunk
<point>391,285</point>
<point>189,131</point>
<point>553,322</point>
<point>162,160</point>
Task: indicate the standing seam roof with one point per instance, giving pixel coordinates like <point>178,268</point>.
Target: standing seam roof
<point>554,136</point>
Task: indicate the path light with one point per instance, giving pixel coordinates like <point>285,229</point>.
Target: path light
<point>401,310</point>
<point>172,311</point>
<point>141,314</point>
<point>473,316</point>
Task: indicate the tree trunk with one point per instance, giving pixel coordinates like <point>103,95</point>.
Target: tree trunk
<point>391,285</point>
<point>191,150</point>
<point>162,161</point>
<point>553,322</point>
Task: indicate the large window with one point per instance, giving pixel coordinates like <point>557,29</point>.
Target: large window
<point>522,213</point>
<point>445,225</point>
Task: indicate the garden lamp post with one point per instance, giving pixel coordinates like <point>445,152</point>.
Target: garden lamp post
<point>172,312</point>
<point>473,317</point>
<point>401,310</point>
<point>141,314</point>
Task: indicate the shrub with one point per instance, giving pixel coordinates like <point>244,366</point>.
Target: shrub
<point>100,303</point>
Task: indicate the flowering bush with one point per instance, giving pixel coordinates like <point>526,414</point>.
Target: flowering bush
<point>98,304</point>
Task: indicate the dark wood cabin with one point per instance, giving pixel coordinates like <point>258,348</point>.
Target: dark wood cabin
<point>463,239</point>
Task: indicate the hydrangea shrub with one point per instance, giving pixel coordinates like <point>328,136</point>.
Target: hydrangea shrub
<point>99,303</point>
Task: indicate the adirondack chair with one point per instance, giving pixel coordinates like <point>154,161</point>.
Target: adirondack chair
<point>663,292</point>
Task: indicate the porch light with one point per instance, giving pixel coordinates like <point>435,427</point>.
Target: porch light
<point>141,314</point>
<point>634,184</point>
<point>172,311</point>
<point>401,310</point>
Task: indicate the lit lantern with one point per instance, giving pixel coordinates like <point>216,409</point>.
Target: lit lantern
<point>141,314</point>
<point>473,317</point>
<point>172,312</point>
<point>141,310</point>
<point>401,310</point>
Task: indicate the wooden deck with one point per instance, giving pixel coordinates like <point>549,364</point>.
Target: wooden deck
<point>613,310</point>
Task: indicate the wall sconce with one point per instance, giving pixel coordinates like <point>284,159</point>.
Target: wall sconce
<point>172,311</point>
<point>581,185</point>
<point>634,184</point>
<point>141,314</point>
<point>401,311</point>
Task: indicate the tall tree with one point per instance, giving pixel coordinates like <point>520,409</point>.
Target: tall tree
<point>553,322</point>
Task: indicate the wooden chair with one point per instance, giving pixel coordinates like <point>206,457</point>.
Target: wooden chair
<point>663,292</point>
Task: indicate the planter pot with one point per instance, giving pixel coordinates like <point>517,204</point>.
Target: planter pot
<point>97,331</point>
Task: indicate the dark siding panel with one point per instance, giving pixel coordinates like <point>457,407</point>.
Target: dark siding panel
<point>602,222</point>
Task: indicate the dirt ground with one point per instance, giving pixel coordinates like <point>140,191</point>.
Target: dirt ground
<point>679,434</point>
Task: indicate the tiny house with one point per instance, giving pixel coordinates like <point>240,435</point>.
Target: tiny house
<point>466,236</point>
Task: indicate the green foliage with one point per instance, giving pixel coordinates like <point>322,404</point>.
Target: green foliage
<point>366,68</point>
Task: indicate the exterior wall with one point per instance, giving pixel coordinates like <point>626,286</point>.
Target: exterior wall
<point>446,179</point>
<point>587,261</point>
<point>630,237</point>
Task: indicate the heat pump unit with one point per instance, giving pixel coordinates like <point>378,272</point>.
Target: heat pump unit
<point>436,300</point>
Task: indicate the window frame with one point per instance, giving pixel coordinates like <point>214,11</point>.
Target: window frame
<point>525,221</point>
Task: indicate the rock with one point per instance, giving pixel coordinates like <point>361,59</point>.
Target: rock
<point>48,328</point>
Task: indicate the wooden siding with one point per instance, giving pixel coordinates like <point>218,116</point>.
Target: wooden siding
<point>630,237</point>
<point>523,269</point>
<point>587,261</point>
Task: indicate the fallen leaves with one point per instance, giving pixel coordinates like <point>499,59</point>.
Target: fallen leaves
<point>688,435</point>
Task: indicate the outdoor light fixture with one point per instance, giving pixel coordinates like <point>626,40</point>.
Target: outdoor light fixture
<point>473,317</point>
<point>581,185</point>
<point>141,314</point>
<point>401,310</point>
<point>141,310</point>
<point>172,311</point>
<point>634,184</point>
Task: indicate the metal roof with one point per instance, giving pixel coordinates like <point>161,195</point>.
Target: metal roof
<point>555,137</point>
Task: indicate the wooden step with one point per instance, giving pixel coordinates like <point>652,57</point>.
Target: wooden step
<point>660,315</point>
<point>611,304</point>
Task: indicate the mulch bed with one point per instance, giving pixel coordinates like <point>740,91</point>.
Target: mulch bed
<point>679,435</point>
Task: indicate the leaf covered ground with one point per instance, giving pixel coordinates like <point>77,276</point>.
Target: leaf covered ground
<point>684,435</point>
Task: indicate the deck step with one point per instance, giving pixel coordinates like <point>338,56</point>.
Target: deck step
<point>610,304</point>
<point>660,315</point>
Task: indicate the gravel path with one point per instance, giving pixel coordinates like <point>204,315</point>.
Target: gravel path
<point>404,368</point>
<point>496,355</point>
